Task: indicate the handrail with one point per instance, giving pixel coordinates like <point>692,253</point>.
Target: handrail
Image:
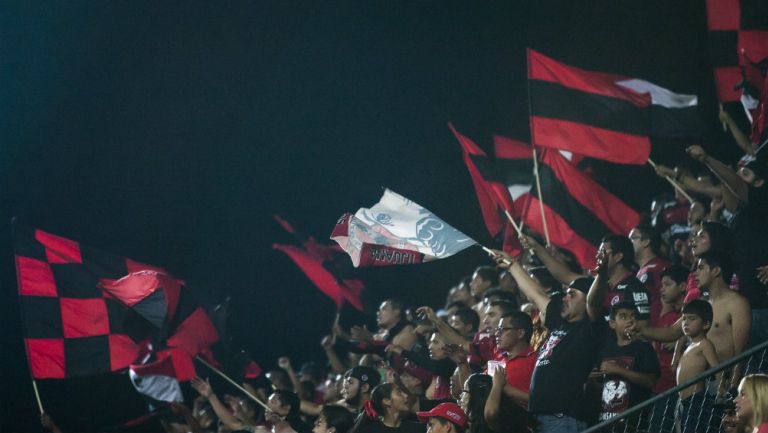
<point>714,370</point>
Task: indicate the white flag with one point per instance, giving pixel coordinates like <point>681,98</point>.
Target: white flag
<point>397,231</point>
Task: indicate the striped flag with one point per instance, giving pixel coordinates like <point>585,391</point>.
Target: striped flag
<point>601,115</point>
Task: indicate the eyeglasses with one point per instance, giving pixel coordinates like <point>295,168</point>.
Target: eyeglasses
<point>501,329</point>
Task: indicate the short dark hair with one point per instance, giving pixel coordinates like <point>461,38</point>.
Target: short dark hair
<point>719,259</point>
<point>622,305</point>
<point>648,232</point>
<point>469,317</point>
<point>338,417</point>
<point>621,244</point>
<point>488,273</point>
<point>522,321</point>
<point>397,304</point>
<point>498,294</point>
<point>676,273</point>
<point>505,307</point>
<point>700,308</point>
<point>545,278</point>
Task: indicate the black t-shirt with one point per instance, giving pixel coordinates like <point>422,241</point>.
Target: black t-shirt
<point>564,362</point>
<point>632,290</point>
<point>750,239</point>
<point>405,427</point>
<point>618,393</point>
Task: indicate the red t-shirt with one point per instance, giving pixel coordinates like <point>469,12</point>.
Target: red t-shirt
<point>482,349</point>
<point>520,369</point>
<point>667,377</point>
<point>650,275</point>
<point>762,428</point>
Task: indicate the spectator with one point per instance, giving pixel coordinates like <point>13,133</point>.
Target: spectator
<point>513,338</point>
<point>444,418</point>
<point>646,244</point>
<point>356,389</point>
<point>385,412</point>
<point>577,330</point>
<point>334,419</point>
<point>628,368</point>
<point>752,402</point>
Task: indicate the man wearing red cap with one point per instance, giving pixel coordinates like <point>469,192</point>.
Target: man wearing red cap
<point>444,418</point>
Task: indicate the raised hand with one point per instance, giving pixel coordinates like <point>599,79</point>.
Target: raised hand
<point>361,333</point>
<point>427,313</point>
<point>203,387</point>
<point>284,362</point>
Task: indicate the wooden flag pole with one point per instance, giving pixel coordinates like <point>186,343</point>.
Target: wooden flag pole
<point>514,224</point>
<point>37,397</point>
<point>492,254</point>
<point>235,384</point>
<point>541,195</point>
<point>673,183</point>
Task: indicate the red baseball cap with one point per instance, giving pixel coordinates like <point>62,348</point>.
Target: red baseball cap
<point>449,411</point>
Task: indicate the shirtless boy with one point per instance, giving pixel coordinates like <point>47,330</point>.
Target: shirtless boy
<point>697,358</point>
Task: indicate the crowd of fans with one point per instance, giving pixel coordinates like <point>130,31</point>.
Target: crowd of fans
<point>536,343</point>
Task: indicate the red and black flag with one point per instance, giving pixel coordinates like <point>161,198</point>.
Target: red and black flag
<point>325,265</point>
<point>87,311</point>
<point>736,28</point>
<point>579,211</point>
<point>71,326</point>
<point>602,115</point>
<point>491,190</point>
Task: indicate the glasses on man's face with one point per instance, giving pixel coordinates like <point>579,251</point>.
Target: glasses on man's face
<point>501,329</point>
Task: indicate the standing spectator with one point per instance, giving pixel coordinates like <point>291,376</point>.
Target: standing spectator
<point>628,367</point>
<point>646,243</point>
<point>513,340</point>
<point>577,329</point>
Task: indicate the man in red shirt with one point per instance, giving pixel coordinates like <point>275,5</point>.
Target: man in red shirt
<point>646,242</point>
<point>513,338</point>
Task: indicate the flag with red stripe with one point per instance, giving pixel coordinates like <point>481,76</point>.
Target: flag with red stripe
<point>602,115</point>
<point>324,266</point>
<point>578,210</point>
<point>492,194</point>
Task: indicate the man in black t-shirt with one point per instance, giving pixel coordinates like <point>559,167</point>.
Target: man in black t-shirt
<point>577,330</point>
<point>619,255</point>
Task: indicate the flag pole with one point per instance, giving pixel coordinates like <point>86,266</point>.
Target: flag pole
<point>541,197</point>
<point>37,397</point>
<point>235,384</point>
<point>674,184</point>
<point>492,254</point>
<point>514,224</point>
<point>533,143</point>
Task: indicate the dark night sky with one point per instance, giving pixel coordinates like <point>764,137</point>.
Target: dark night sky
<point>170,132</point>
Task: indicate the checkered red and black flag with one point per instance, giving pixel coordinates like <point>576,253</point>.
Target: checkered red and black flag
<point>87,311</point>
<point>71,327</point>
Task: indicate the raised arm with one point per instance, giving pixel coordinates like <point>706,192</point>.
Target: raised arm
<point>555,267</point>
<point>531,289</point>
<point>735,190</point>
<point>204,388</point>
<point>336,365</point>
<point>450,335</point>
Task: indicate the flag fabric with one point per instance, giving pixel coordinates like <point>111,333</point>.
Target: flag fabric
<point>71,327</point>
<point>601,115</point>
<point>735,27</point>
<point>578,211</point>
<point>492,194</point>
<point>397,231</point>
<point>159,379</point>
<point>514,163</point>
<point>313,268</point>
<point>87,311</point>
<point>323,265</point>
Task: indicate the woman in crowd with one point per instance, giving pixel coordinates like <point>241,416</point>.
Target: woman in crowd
<point>385,412</point>
<point>752,402</point>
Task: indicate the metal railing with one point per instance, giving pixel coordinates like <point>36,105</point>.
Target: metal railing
<point>643,420</point>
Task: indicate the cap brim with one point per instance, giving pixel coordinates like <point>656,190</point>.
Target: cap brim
<point>424,416</point>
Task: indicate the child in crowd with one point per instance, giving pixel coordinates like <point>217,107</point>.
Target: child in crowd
<point>699,356</point>
<point>628,367</point>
